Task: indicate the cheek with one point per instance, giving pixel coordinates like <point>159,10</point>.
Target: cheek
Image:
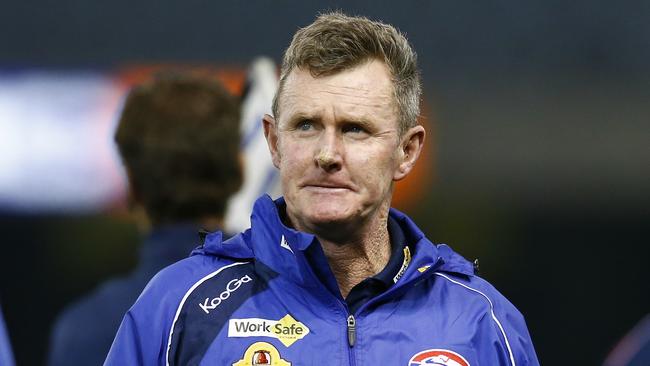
<point>375,168</point>
<point>293,159</point>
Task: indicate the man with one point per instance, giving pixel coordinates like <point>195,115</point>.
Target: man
<point>178,137</point>
<point>329,274</point>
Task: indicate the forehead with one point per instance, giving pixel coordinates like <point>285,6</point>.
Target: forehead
<point>365,91</point>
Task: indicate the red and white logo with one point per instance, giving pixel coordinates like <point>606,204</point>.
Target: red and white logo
<point>441,357</point>
<point>262,357</point>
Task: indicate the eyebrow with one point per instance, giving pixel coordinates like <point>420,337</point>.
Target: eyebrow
<point>299,116</point>
<point>362,121</point>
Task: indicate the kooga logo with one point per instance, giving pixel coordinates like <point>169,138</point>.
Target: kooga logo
<point>232,286</point>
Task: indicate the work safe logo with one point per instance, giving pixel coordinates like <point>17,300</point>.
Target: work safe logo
<point>287,330</point>
<point>440,357</point>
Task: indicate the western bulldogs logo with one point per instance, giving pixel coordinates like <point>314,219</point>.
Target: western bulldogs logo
<point>441,357</point>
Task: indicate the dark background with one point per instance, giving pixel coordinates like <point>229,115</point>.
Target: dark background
<point>539,115</point>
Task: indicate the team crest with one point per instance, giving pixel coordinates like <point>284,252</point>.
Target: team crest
<point>441,357</point>
<point>261,353</point>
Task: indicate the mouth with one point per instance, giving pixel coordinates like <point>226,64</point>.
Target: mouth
<point>326,187</point>
<point>327,193</point>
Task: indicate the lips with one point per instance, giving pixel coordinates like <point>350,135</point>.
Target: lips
<point>327,186</point>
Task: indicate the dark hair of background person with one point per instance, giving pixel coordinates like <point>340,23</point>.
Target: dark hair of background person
<point>179,138</point>
<point>336,42</point>
<point>168,143</point>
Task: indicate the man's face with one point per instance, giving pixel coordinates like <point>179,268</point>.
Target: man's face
<point>337,146</point>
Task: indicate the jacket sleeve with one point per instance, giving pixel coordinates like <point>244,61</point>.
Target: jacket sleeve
<point>143,335</point>
<point>141,339</point>
<point>127,348</point>
<point>516,338</point>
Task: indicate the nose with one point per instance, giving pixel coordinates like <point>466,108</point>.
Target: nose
<point>328,154</point>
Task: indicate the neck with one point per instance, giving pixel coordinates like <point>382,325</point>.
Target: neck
<point>362,254</point>
<point>353,262</point>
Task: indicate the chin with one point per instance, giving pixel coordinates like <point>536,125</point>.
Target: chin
<point>332,228</point>
<point>333,216</point>
<point>324,211</point>
<point>327,216</point>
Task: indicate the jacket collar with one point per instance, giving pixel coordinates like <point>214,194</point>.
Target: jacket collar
<point>283,249</point>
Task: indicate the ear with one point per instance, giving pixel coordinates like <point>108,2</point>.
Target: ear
<point>271,135</point>
<point>409,151</point>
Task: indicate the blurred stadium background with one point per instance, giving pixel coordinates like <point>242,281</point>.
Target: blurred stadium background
<point>538,162</point>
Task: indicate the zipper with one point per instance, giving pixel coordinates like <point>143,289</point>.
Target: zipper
<point>352,330</point>
<point>351,324</point>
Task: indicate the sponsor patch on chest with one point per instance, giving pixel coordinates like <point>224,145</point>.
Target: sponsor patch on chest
<point>287,330</point>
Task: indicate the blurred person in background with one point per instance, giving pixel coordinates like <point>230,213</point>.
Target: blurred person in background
<point>178,137</point>
<point>329,274</point>
<point>634,348</point>
<point>6,356</point>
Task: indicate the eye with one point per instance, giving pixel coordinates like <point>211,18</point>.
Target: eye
<point>305,125</point>
<point>353,128</point>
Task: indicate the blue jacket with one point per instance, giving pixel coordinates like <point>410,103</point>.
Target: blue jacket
<point>255,300</point>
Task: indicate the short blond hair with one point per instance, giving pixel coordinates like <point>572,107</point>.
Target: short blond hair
<point>335,42</point>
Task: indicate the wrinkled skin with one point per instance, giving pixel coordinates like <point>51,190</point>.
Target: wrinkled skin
<point>338,149</point>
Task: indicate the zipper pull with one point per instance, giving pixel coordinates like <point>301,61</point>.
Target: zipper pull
<point>352,334</point>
